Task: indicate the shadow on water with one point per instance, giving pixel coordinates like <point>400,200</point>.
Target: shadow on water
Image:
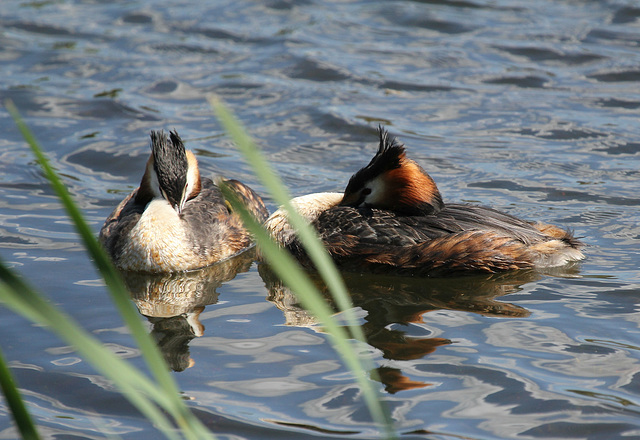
<point>392,302</point>
<point>173,303</point>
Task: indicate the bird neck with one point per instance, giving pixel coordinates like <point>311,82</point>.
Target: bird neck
<point>149,187</point>
<point>194,183</point>
<point>410,190</point>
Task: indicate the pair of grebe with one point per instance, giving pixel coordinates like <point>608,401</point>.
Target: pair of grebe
<point>390,219</point>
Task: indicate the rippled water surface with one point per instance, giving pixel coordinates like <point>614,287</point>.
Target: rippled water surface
<point>530,107</point>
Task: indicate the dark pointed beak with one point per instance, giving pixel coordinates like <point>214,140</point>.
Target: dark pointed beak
<point>353,199</point>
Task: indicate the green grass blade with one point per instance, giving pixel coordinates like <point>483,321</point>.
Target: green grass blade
<point>291,273</point>
<point>21,416</point>
<point>191,426</point>
<point>278,191</point>
<point>112,278</point>
<point>20,297</point>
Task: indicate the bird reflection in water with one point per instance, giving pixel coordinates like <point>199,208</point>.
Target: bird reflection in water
<point>173,302</point>
<point>392,302</point>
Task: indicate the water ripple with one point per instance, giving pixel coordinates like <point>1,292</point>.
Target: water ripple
<point>530,107</point>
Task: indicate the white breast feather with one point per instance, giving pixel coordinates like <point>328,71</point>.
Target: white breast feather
<point>309,206</point>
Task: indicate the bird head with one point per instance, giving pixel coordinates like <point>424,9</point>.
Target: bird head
<point>172,171</point>
<point>393,182</point>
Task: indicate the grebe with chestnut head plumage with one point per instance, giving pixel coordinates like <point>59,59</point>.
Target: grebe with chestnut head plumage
<point>176,220</point>
<point>391,219</point>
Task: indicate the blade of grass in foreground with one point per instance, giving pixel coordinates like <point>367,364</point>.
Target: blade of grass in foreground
<point>278,191</point>
<point>20,297</point>
<point>290,272</point>
<point>21,416</point>
<point>169,398</point>
<point>112,278</point>
<point>294,276</point>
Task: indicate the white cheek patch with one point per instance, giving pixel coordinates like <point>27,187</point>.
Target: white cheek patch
<point>377,192</point>
<point>155,185</point>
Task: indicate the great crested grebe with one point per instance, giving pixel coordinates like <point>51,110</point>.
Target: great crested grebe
<point>391,219</point>
<point>176,220</point>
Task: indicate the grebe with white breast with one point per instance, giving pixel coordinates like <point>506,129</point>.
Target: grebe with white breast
<point>176,220</point>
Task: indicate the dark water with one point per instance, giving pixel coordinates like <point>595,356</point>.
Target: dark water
<point>531,107</point>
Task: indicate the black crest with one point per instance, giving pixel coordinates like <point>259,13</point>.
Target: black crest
<point>170,164</point>
<point>387,158</point>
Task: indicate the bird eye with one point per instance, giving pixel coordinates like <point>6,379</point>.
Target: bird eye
<point>366,191</point>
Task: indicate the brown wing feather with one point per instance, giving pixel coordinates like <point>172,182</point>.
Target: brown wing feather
<point>123,218</point>
<point>250,198</point>
<point>461,238</point>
